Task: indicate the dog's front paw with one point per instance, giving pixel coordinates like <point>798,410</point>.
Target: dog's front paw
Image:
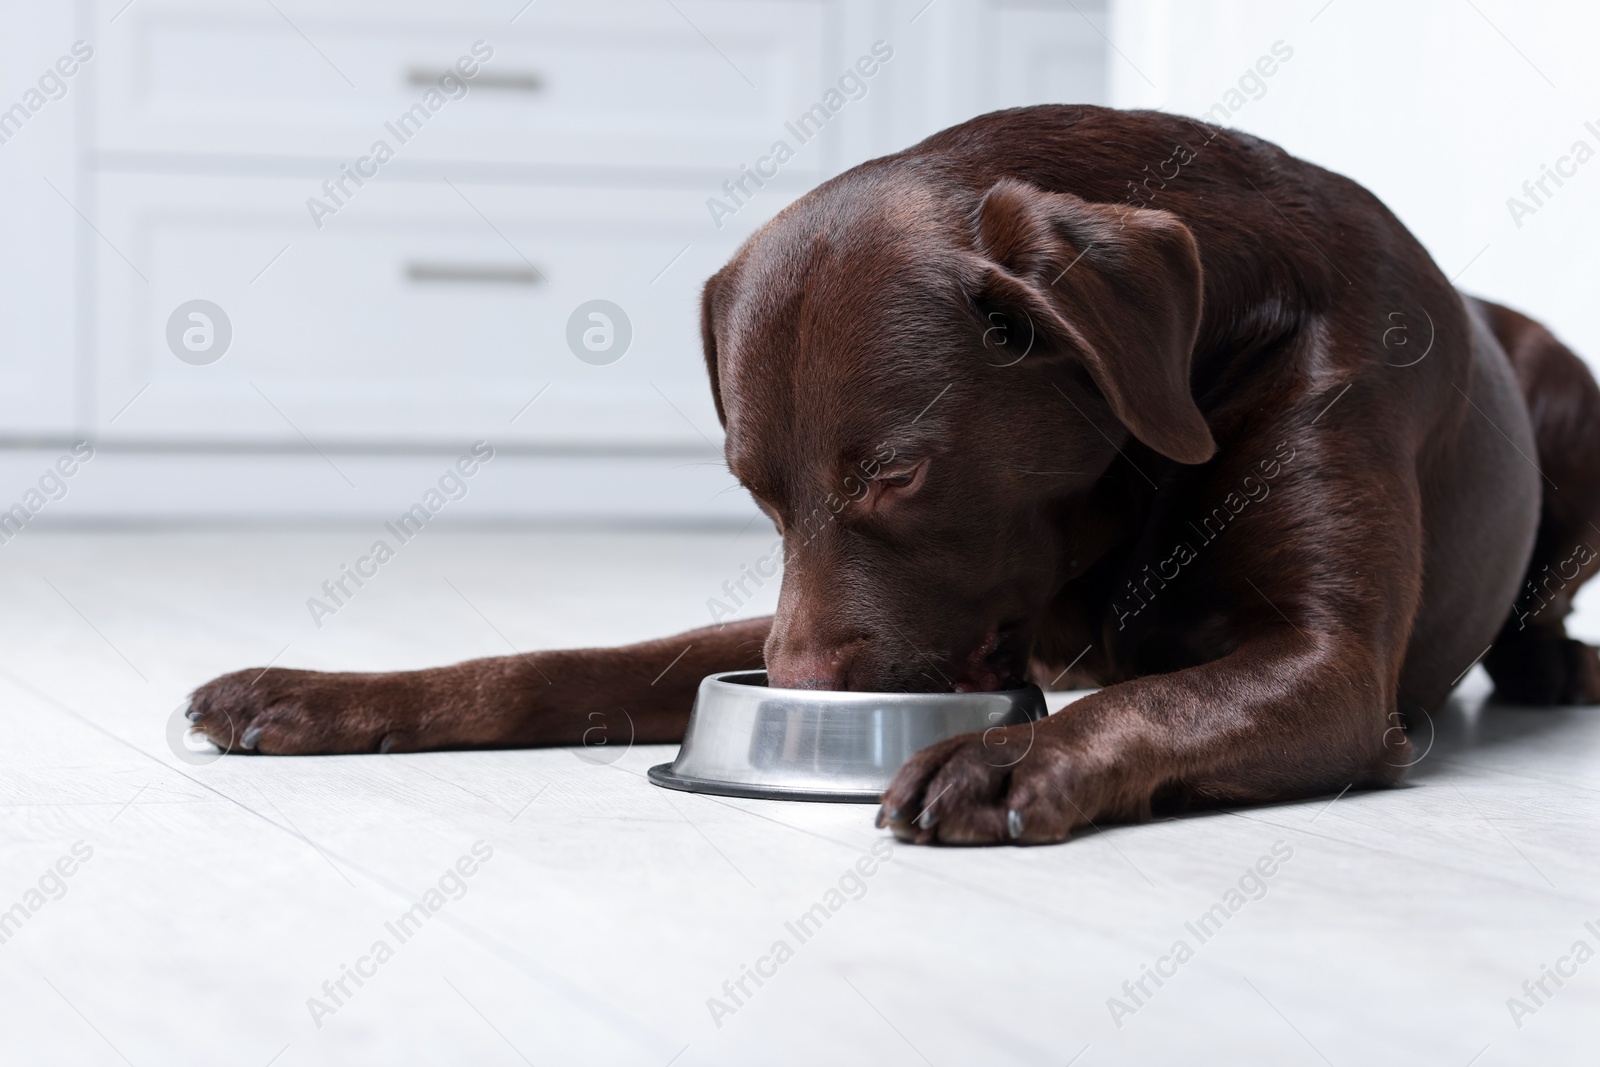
<point>291,713</point>
<point>1015,785</point>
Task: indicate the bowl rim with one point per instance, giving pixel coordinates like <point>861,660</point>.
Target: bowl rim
<point>731,679</point>
<point>662,774</point>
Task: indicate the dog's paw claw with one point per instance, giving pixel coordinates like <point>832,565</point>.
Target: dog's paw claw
<point>292,712</point>
<point>976,790</point>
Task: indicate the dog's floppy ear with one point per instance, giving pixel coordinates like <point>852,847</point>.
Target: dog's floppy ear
<point>1117,288</point>
<point>708,342</point>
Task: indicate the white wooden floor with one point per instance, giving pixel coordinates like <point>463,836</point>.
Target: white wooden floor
<point>220,897</point>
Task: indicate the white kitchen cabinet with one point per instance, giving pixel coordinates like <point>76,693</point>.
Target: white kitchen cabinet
<point>425,305</point>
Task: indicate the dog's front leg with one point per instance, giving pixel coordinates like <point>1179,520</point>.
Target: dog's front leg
<point>639,692</point>
<point>1283,716</point>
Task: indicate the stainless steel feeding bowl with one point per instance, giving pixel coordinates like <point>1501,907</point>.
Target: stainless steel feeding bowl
<point>746,740</point>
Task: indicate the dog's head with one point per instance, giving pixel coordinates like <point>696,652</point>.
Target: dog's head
<point>920,385</point>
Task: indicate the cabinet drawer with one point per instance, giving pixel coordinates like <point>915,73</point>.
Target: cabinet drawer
<point>623,83</point>
<point>426,311</point>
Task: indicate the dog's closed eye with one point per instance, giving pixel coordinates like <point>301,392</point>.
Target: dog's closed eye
<point>901,478</point>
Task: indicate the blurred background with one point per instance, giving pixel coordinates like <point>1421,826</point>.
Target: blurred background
<point>356,345</point>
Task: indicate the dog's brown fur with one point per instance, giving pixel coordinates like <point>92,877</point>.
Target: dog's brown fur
<point>1099,397</point>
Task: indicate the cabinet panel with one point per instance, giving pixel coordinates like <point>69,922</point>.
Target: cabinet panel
<point>1050,54</point>
<point>425,310</point>
<point>624,83</point>
<point>39,331</point>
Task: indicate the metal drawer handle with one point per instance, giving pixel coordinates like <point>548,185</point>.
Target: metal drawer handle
<point>473,273</point>
<point>526,81</point>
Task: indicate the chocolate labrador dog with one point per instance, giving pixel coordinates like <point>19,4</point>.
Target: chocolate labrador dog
<point>1096,398</point>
